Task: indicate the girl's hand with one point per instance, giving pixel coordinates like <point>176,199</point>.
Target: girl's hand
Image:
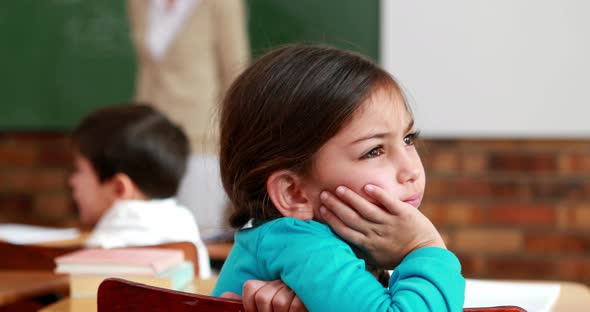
<point>262,296</point>
<point>386,235</point>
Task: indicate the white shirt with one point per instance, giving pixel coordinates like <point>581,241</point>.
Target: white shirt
<point>149,222</point>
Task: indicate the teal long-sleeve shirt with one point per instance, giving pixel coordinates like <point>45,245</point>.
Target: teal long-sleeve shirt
<point>327,276</point>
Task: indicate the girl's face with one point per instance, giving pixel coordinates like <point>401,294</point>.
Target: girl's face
<point>375,147</point>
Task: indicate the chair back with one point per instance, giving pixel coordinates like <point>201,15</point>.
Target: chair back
<point>496,309</point>
<point>189,249</point>
<point>116,294</point>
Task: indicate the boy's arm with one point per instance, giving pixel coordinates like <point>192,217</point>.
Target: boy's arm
<point>324,272</point>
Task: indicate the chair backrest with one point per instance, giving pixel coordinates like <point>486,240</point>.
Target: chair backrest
<point>116,294</point>
<point>496,309</point>
<point>189,249</point>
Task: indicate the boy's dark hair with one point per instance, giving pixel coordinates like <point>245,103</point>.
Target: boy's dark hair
<point>281,110</point>
<point>136,140</point>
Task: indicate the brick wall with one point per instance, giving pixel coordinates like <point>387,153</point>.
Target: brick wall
<point>34,168</point>
<point>508,208</point>
<point>512,208</point>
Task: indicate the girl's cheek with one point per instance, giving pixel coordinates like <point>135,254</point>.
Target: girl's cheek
<point>380,181</point>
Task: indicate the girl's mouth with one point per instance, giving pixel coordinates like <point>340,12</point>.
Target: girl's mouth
<point>414,200</point>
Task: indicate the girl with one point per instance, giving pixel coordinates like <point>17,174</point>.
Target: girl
<point>303,123</point>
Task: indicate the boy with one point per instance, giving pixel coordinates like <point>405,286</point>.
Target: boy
<point>129,161</point>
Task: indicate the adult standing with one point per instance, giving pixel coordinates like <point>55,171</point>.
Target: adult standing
<point>188,53</point>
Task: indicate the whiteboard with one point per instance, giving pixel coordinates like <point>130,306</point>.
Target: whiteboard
<point>492,68</point>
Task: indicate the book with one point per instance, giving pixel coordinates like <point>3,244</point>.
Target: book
<point>127,261</point>
<point>177,277</point>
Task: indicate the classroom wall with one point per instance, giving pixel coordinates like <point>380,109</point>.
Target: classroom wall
<point>512,208</point>
<point>499,89</point>
<point>508,208</point>
<point>487,69</point>
<point>34,168</point>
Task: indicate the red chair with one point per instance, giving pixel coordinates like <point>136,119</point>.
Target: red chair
<point>496,309</point>
<point>116,294</point>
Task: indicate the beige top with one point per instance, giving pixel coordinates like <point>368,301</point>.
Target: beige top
<point>200,64</point>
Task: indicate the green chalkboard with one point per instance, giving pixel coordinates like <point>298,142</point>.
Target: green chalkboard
<point>61,59</point>
<point>349,24</point>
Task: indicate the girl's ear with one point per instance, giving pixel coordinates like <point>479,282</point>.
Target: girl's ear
<point>285,190</point>
<point>124,188</point>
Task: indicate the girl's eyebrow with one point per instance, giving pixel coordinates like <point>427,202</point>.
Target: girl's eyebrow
<point>410,126</point>
<point>381,135</point>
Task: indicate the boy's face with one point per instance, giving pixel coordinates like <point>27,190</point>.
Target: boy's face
<point>376,147</point>
<point>92,197</point>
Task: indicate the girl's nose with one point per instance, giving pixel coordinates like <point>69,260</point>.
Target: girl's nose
<point>408,165</point>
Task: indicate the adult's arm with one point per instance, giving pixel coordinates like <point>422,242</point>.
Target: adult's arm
<point>231,39</point>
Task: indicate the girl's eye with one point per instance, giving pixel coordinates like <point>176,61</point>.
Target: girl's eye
<point>411,138</point>
<point>375,152</point>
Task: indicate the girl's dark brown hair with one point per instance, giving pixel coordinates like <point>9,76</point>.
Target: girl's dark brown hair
<point>280,111</point>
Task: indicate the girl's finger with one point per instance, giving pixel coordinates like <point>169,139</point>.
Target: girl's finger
<point>297,305</point>
<point>264,296</point>
<point>345,213</point>
<point>363,207</point>
<point>281,302</point>
<point>395,207</point>
<point>249,291</point>
<point>341,228</point>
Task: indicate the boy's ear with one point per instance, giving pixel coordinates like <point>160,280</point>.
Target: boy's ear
<point>285,190</point>
<point>124,188</point>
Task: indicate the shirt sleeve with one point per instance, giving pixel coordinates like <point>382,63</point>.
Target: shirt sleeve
<point>327,276</point>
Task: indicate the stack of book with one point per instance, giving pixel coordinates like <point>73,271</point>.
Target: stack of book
<point>153,266</point>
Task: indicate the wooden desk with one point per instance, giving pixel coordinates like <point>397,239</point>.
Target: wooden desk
<point>76,242</point>
<point>572,297</point>
<point>203,287</point>
<point>22,285</point>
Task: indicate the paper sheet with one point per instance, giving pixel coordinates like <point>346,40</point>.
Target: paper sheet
<point>533,297</point>
<point>23,234</point>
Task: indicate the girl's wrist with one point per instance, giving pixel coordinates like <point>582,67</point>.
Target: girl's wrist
<point>437,242</point>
